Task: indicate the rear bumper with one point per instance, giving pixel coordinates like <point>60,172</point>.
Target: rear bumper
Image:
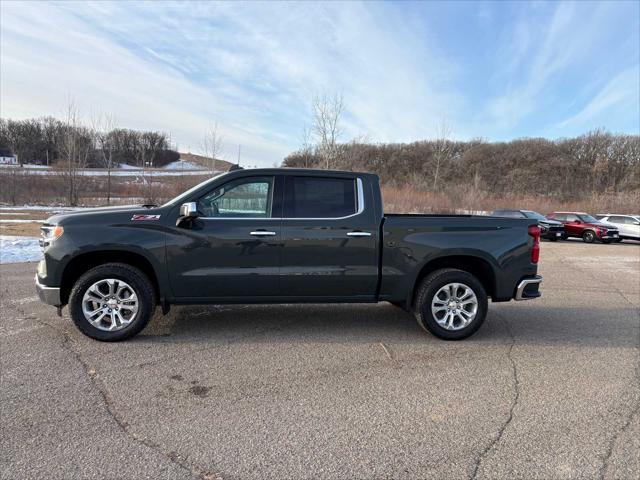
<point>48,295</point>
<point>528,288</point>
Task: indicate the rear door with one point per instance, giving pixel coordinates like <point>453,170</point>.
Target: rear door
<point>232,249</point>
<point>329,238</point>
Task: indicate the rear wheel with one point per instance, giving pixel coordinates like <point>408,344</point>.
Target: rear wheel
<point>589,236</point>
<point>112,302</point>
<point>451,304</point>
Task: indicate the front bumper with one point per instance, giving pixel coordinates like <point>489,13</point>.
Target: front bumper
<point>48,295</point>
<point>528,289</point>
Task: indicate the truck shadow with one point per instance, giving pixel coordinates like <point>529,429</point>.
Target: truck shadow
<point>344,323</point>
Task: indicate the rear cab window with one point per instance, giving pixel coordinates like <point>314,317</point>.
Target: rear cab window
<point>320,197</point>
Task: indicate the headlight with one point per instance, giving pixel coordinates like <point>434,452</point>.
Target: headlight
<point>49,233</point>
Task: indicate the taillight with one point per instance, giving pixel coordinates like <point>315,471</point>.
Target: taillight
<point>534,231</point>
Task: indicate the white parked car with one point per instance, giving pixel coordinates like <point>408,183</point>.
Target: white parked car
<point>628,225</point>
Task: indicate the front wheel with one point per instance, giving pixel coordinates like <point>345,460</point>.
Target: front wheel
<point>589,236</point>
<point>112,302</point>
<point>451,304</point>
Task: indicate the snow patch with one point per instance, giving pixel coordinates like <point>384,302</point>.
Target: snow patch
<point>183,165</point>
<point>44,208</point>
<point>20,221</point>
<point>14,249</point>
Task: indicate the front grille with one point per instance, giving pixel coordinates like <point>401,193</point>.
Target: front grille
<point>556,228</point>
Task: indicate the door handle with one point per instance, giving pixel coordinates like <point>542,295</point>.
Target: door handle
<point>262,233</point>
<point>358,234</point>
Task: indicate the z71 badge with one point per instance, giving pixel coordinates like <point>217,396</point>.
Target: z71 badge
<point>145,217</point>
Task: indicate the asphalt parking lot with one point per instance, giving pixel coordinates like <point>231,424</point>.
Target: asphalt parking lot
<point>546,389</point>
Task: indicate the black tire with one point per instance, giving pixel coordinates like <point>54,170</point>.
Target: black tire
<point>428,289</point>
<point>138,281</point>
<point>607,241</point>
<point>588,236</point>
<point>553,239</point>
<point>618,240</point>
<point>565,237</point>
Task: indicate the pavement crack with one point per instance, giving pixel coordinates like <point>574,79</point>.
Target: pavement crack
<point>514,404</point>
<point>614,440</point>
<point>387,350</point>
<point>625,425</point>
<point>174,457</point>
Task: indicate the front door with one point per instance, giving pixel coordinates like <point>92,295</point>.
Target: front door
<point>232,248</point>
<point>329,239</point>
<point>573,225</point>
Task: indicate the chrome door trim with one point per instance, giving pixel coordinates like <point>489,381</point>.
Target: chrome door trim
<point>358,234</point>
<point>262,233</point>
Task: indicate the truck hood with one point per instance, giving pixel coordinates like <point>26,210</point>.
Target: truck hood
<point>126,211</point>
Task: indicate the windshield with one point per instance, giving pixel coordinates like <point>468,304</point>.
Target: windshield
<point>533,215</point>
<point>186,194</point>
<point>588,219</point>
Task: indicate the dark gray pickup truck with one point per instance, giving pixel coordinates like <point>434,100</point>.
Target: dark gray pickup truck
<point>282,236</point>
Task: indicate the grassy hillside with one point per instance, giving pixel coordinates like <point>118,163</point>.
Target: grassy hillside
<point>205,161</point>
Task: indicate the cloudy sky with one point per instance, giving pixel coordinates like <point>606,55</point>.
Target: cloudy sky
<point>493,70</point>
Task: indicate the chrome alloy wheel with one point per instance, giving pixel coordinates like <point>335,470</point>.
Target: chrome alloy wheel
<point>110,304</point>
<point>454,306</point>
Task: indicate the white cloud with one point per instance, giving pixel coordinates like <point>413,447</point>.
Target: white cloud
<point>622,91</point>
<point>254,68</point>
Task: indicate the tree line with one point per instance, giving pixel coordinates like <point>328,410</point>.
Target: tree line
<point>98,144</point>
<point>598,162</point>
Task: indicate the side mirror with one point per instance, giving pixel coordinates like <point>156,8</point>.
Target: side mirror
<point>636,223</point>
<point>577,222</point>
<point>188,211</point>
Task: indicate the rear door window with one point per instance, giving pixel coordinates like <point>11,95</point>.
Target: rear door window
<point>320,197</point>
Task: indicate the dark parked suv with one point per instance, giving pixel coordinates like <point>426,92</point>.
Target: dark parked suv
<point>584,226</point>
<point>550,229</point>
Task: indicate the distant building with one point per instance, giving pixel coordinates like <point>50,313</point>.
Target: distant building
<point>7,157</point>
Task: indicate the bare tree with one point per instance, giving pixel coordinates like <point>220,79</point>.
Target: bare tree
<point>442,148</point>
<point>212,146</point>
<point>75,146</point>
<point>327,111</point>
<point>102,127</point>
<point>307,147</point>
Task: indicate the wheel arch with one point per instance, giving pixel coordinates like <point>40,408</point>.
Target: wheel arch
<point>84,262</point>
<point>476,266</point>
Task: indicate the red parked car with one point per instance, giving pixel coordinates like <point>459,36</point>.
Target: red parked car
<point>584,226</point>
